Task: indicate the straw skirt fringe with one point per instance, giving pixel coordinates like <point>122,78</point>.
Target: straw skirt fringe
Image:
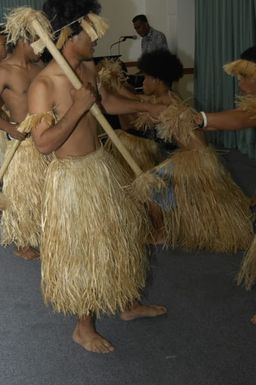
<point>145,152</point>
<point>211,212</point>
<point>3,136</point>
<point>3,146</point>
<point>93,237</point>
<point>23,185</point>
<point>247,273</point>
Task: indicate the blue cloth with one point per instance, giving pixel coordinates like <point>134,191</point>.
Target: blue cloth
<point>165,197</point>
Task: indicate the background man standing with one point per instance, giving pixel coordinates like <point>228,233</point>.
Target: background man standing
<point>151,38</point>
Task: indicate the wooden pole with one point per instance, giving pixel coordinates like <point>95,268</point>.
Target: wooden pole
<point>14,146</point>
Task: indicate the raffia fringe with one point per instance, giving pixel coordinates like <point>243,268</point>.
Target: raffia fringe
<point>32,120</point>
<point>65,33</point>
<point>111,75</point>
<point>247,103</point>
<point>3,146</point>
<point>241,67</point>
<point>92,252</point>
<point>145,152</point>
<point>212,212</point>
<point>100,23</point>
<point>177,122</point>
<point>18,24</point>
<point>38,46</point>
<point>145,184</point>
<point>144,121</point>
<point>3,137</point>
<point>94,25</point>
<point>23,184</point>
<point>247,273</point>
<point>4,202</point>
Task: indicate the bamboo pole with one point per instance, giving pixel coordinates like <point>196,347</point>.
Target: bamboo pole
<point>8,159</point>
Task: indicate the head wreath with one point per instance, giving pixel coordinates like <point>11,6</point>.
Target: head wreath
<point>240,68</point>
<point>18,24</point>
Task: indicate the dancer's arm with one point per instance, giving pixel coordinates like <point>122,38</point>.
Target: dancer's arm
<point>227,120</point>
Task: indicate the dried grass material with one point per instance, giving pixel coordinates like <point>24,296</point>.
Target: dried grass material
<point>145,184</point>
<point>32,120</point>
<point>241,67</point>
<point>65,33</point>
<point>3,145</point>
<point>144,121</point>
<point>111,75</point>
<point>38,46</point>
<point>23,185</point>
<point>247,103</point>
<point>94,25</point>
<point>100,24</point>
<point>4,202</point>
<point>211,211</point>
<point>87,26</point>
<point>247,273</point>
<point>18,24</point>
<point>145,152</point>
<point>177,122</point>
<point>3,137</point>
<point>93,237</point>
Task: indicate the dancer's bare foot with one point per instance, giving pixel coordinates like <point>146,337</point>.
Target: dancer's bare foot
<point>86,335</point>
<point>141,311</point>
<point>253,319</point>
<point>27,253</point>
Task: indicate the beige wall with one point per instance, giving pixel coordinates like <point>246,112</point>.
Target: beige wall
<point>119,14</point>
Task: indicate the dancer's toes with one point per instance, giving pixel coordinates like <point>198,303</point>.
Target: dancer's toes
<point>99,345</point>
<point>141,311</point>
<point>93,342</point>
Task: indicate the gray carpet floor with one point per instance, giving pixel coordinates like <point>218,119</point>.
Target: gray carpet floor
<point>206,338</point>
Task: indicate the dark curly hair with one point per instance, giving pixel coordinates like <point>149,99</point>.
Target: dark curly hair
<point>161,64</point>
<point>63,12</point>
<point>249,54</point>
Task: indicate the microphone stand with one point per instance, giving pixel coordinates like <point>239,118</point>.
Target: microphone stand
<point>120,40</point>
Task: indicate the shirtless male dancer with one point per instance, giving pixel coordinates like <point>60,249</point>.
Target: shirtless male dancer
<point>16,73</point>
<point>91,247</point>
<point>242,117</point>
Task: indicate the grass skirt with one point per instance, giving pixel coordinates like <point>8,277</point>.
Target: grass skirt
<point>3,136</point>
<point>247,273</point>
<point>23,185</point>
<point>207,209</point>
<point>145,152</point>
<point>3,145</point>
<point>93,237</point>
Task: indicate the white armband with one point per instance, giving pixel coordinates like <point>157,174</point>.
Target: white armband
<point>204,118</point>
